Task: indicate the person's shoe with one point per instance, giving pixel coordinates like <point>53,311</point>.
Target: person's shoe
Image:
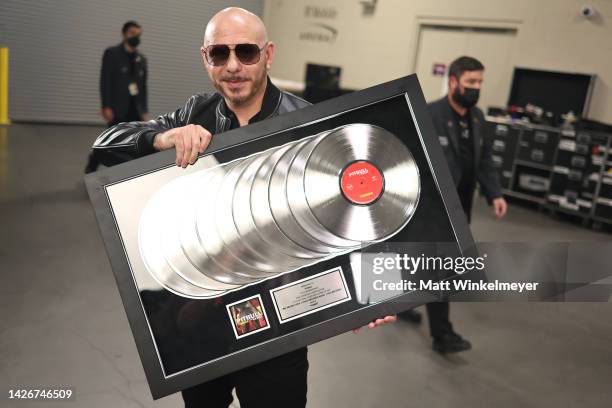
<point>411,316</point>
<point>450,343</point>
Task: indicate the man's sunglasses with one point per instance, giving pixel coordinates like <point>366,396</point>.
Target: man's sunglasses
<point>218,54</point>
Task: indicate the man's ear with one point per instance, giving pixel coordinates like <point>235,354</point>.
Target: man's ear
<point>270,49</point>
<point>207,67</point>
<point>203,55</point>
<point>452,82</point>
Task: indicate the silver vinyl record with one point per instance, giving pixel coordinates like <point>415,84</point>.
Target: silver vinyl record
<point>296,198</point>
<point>265,251</point>
<point>149,241</point>
<point>189,238</point>
<point>361,183</point>
<point>180,213</point>
<point>219,263</point>
<point>188,235</point>
<point>248,263</point>
<point>281,210</point>
<point>191,241</point>
<point>263,219</point>
<point>290,206</point>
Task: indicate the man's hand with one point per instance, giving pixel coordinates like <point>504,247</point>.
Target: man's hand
<point>189,141</point>
<point>379,322</point>
<point>500,206</point>
<point>108,114</point>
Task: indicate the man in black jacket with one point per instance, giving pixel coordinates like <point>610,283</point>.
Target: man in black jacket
<point>460,125</point>
<point>123,82</point>
<point>237,56</point>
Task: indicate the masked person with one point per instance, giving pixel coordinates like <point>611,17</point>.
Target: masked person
<point>460,128</point>
<point>123,83</point>
<point>237,56</point>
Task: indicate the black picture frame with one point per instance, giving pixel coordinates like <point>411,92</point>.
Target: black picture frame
<point>261,136</point>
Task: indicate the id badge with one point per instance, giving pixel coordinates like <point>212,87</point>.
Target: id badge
<point>133,89</point>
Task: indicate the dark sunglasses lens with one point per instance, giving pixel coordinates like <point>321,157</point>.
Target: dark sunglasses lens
<point>218,54</point>
<point>247,53</point>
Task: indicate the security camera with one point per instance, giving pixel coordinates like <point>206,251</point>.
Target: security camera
<point>587,11</point>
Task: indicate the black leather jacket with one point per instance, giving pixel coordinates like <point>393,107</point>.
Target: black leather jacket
<point>484,171</point>
<point>130,140</point>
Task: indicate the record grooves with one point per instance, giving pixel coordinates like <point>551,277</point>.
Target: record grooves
<point>219,229</point>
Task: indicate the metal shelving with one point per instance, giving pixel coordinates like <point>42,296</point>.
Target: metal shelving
<point>561,170</point>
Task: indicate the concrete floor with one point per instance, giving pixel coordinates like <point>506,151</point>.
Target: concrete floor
<point>63,323</point>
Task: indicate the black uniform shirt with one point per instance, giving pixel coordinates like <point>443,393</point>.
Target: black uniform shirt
<point>463,128</point>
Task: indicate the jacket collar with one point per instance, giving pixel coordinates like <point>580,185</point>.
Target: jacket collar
<point>122,47</point>
<point>269,106</point>
<point>449,115</point>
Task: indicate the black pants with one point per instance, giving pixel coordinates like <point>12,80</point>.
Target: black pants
<point>438,313</point>
<point>439,320</point>
<point>280,382</point>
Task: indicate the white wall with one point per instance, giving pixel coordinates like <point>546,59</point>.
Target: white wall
<point>551,35</point>
<point>56,52</point>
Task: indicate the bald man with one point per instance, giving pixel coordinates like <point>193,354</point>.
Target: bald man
<point>237,56</point>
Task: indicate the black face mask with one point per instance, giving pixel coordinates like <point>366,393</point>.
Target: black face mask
<point>468,98</point>
<point>133,41</point>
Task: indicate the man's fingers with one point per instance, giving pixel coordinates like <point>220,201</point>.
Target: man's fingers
<point>178,145</point>
<point>390,319</point>
<point>186,153</point>
<point>500,209</point>
<point>379,322</point>
<point>195,147</point>
<point>199,141</point>
<point>205,140</point>
<point>189,141</point>
<point>187,144</point>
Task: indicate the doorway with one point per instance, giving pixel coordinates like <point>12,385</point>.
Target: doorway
<point>438,45</point>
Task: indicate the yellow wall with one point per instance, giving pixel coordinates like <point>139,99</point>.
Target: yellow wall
<point>551,35</point>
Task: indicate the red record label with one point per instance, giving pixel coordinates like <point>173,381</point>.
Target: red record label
<point>361,182</point>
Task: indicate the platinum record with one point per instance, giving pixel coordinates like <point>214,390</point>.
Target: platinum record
<point>220,229</point>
